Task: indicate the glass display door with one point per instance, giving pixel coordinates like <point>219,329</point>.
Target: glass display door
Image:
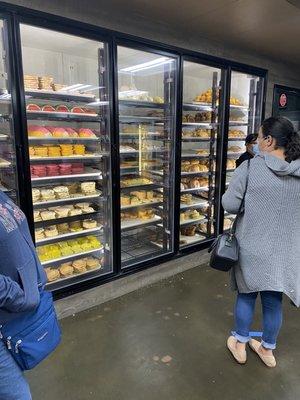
<point>146,89</point>
<point>8,168</point>
<point>245,115</point>
<point>67,107</point>
<point>200,127</point>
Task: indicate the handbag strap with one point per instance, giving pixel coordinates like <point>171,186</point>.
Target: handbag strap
<point>242,205</point>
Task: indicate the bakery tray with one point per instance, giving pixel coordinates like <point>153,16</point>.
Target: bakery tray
<point>63,139</point>
<point>50,285</point>
<point>147,186</point>
<point>138,119</point>
<point>80,217</point>
<point>195,155</point>
<point>61,96</point>
<point>3,138</point>
<point>200,173</point>
<point>195,189</point>
<point>136,223</point>
<point>137,152</point>
<point>237,139</point>
<point>144,135</point>
<point>229,154</point>
<point>238,123</point>
<point>230,170</point>
<point>67,201</point>
<point>193,221</point>
<point>62,116</point>
<point>89,173</point>
<point>72,256</point>
<point>140,104</point>
<point>243,108</point>
<point>191,239</point>
<point>203,124</point>
<point>68,235</point>
<point>198,203</point>
<point>196,139</point>
<point>195,105</point>
<point>148,204</point>
<point>86,157</point>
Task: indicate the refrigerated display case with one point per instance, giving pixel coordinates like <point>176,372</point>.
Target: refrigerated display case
<point>286,103</point>
<point>8,163</point>
<point>67,110</point>
<point>146,95</point>
<point>245,117</point>
<point>200,128</point>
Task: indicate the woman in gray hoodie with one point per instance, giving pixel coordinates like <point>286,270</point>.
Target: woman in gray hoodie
<point>268,234</point>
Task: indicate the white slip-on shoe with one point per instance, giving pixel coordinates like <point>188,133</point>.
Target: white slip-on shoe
<point>269,361</point>
<point>239,355</point>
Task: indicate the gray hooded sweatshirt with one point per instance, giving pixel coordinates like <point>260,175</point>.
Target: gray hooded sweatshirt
<point>269,230</point>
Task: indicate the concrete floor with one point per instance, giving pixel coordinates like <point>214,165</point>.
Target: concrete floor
<point>167,342</point>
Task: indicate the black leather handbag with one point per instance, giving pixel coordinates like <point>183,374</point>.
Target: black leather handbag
<point>225,249</point>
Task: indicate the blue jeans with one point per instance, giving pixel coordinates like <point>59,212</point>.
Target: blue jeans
<point>13,385</point>
<point>272,316</point>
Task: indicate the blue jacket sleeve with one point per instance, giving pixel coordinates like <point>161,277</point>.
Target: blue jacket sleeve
<point>12,296</point>
<point>233,196</point>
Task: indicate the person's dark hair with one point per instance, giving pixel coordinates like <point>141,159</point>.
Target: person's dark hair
<point>283,131</point>
<point>250,138</point>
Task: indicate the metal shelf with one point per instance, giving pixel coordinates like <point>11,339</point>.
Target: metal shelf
<point>141,205</point>
<point>238,123</point>
<point>198,106</point>
<point>193,221</point>
<point>66,201</point>
<point>63,139</point>
<point>136,223</point>
<point>65,158</point>
<point>208,125</point>
<point>133,118</point>
<point>196,139</point>
<point>72,256</point>
<point>53,239</point>
<point>140,104</point>
<point>56,221</point>
<point>88,174</point>
<point>61,96</point>
<point>191,239</point>
<point>194,155</point>
<point>205,188</point>
<point>147,186</point>
<point>200,173</point>
<point>62,116</point>
<point>199,204</point>
<point>49,285</point>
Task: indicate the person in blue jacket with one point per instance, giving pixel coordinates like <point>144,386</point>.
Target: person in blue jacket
<point>21,276</point>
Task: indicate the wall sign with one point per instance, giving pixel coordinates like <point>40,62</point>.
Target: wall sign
<point>283,100</point>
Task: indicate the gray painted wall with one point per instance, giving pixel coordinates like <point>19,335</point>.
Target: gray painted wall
<point>107,15</point>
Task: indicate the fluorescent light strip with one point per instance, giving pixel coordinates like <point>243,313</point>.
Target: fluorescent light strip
<point>146,65</point>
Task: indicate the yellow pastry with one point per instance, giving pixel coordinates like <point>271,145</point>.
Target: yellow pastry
<point>79,149</point>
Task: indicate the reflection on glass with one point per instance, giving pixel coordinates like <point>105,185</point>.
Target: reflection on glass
<point>200,124</point>
<point>68,132</point>
<point>8,171</point>
<point>244,119</point>
<point>146,113</point>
